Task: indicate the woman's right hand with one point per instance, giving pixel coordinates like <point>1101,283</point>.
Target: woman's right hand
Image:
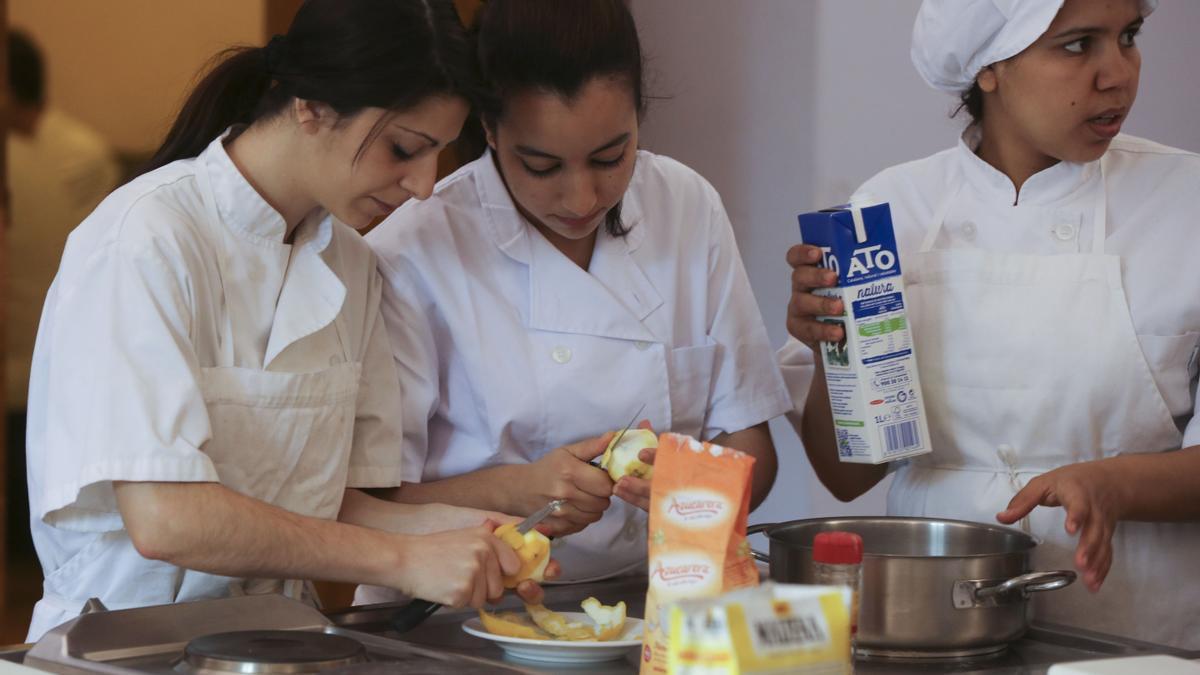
<point>805,307</point>
<point>564,473</point>
<point>457,567</point>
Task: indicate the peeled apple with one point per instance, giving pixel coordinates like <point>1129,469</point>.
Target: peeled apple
<point>621,459</point>
<point>557,625</point>
<point>512,624</point>
<point>533,548</point>
<point>610,621</point>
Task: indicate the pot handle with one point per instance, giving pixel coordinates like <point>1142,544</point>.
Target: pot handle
<point>970,594</point>
<point>755,529</point>
<point>1034,582</point>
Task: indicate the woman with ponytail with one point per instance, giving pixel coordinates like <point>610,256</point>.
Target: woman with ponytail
<point>212,386</point>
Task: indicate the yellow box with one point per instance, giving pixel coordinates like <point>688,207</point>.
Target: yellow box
<point>774,628</point>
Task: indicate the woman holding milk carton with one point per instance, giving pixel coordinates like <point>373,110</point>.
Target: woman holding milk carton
<point>1055,307</point>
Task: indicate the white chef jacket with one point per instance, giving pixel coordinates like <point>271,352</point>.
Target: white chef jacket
<point>506,349</point>
<point>1150,227</point>
<point>180,325</point>
<point>55,178</point>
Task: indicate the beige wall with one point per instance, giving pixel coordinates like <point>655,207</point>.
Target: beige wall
<point>124,66</point>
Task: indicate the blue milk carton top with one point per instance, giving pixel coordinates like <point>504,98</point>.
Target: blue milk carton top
<point>858,243</point>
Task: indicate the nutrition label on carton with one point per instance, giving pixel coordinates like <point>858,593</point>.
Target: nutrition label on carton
<point>882,328</point>
<point>883,343</point>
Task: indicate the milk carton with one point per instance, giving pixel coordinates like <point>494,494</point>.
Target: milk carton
<point>874,391</point>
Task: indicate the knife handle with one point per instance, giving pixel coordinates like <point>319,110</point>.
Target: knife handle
<point>411,615</point>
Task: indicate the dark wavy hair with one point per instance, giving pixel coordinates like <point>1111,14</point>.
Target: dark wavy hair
<point>557,46</point>
<point>971,100</point>
<point>347,54</point>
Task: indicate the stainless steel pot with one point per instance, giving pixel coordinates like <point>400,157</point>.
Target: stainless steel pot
<point>930,587</point>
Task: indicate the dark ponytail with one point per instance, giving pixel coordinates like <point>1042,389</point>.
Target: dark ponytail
<point>347,54</point>
<point>557,46</point>
<point>971,100</point>
<point>229,94</point>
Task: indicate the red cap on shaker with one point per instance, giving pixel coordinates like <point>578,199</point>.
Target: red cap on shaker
<point>838,548</point>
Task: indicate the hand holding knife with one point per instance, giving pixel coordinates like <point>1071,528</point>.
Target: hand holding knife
<point>541,514</point>
<point>416,611</point>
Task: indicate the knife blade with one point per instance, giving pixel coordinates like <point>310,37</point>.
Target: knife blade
<point>619,436</point>
<point>538,516</point>
<point>616,441</point>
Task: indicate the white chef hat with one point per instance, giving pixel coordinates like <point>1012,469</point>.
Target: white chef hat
<point>955,39</point>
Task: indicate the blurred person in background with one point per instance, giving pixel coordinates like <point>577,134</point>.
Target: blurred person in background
<point>58,171</point>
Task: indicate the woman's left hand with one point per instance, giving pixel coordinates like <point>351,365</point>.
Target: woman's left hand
<point>635,490</point>
<point>1091,494</point>
<point>530,591</point>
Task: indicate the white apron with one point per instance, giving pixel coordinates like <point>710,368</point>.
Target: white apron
<point>1029,363</point>
<point>283,438</point>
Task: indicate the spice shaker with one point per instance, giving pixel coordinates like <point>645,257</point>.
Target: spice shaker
<point>837,561</point>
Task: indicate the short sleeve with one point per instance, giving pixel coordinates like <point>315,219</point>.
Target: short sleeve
<point>120,397</point>
<point>747,386</point>
<point>798,368</point>
<point>375,456</point>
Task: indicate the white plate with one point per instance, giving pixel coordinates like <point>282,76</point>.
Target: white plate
<point>563,651</point>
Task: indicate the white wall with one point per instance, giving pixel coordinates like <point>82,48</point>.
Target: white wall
<point>788,105</point>
<point>1169,95</point>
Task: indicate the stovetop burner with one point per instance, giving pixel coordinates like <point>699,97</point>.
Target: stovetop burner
<point>270,651</point>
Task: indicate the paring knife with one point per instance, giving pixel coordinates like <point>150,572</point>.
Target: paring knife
<point>541,514</point>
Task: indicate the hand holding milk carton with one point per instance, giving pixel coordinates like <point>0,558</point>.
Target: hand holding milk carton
<point>874,390</point>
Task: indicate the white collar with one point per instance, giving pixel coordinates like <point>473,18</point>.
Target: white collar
<point>1050,185</point>
<point>611,298</point>
<point>244,211</point>
<point>511,231</point>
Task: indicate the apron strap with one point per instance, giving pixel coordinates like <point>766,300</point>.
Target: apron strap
<point>1010,459</point>
<point>343,334</point>
<point>1100,212</point>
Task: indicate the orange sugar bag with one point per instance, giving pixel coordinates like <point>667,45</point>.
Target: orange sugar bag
<point>699,502</point>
